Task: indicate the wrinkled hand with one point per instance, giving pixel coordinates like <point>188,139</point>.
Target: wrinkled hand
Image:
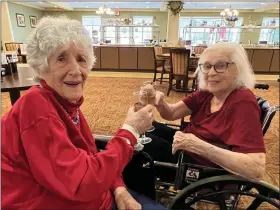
<point>154,97</point>
<point>140,120</point>
<point>184,141</point>
<point>125,201</point>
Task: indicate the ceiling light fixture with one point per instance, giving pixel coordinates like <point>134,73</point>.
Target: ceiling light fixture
<point>230,14</point>
<point>104,11</point>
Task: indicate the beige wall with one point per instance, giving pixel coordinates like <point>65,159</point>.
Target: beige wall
<point>6,28</point>
<point>21,33</point>
<point>162,17</point>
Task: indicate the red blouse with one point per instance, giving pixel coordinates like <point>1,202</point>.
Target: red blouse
<point>48,162</point>
<point>237,124</point>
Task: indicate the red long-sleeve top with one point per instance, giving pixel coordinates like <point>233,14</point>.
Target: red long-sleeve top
<point>236,124</point>
<point>48,162</point>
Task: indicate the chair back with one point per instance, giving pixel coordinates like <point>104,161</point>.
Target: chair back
<point>12,46</point>
<point>179,59</point>
<point>157,51</point>
<point>199,49</point>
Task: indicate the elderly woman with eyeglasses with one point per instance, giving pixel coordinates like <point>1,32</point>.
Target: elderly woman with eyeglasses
<point>225,129</point>
<point>49,156</point>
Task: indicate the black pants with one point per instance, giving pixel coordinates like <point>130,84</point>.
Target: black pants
<point>160,149</point>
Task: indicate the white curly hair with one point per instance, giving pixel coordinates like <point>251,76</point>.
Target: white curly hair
<point>53,32</point>
<point>237,54</point>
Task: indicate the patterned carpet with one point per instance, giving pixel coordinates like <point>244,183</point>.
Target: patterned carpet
<point>108,99</point>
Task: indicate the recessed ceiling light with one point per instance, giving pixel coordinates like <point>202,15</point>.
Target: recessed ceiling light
<point>225,3</point>
<point>262,3</point>
<point>147,2</point>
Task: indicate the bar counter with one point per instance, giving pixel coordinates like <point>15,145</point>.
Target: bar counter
<point>264,60</point>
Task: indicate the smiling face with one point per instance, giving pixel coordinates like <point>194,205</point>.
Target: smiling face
<point>67,72</point>
<point>218,83</point>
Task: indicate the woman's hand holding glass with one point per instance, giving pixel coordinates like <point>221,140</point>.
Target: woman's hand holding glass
<point>140,120</point>
<point>154,95</point>
<point>142,103</point>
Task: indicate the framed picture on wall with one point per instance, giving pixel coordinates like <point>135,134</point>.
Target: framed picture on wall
<point>20,20</point>
<point>33,21</point>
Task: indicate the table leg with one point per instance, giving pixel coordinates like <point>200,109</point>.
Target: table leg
<point>14,96</point>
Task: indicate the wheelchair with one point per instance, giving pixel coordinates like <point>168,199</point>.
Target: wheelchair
<point>196,184</point>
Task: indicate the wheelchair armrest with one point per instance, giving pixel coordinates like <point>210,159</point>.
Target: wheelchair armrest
<point>262,86</point>
<point>101,140</point>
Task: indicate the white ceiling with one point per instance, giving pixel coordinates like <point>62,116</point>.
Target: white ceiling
<point>151,4</point>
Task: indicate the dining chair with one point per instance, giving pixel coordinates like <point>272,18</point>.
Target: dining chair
<point>160,66</point>
<point>180,61</point>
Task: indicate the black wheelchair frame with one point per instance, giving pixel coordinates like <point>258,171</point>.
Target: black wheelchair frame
<point>199,183</point>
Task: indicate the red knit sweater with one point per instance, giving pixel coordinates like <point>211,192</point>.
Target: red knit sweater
<point>48,162</point>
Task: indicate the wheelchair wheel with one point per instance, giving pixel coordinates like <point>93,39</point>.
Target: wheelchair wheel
<point>228,192</point>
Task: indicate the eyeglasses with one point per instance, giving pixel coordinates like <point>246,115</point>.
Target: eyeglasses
<point>219,67</point>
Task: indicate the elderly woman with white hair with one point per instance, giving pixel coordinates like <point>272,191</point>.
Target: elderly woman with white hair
<point>225,129</point>
<point>49,156</point>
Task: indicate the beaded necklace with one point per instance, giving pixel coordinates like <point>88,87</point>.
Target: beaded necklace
<point>77,118</point>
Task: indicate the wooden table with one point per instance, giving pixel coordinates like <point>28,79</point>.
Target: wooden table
<point>16,82</point>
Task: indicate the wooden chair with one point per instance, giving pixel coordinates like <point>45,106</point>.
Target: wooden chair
<point>180,61</point>
<point>14,46</point>
<point>160,66</point>
<point>199,49</point>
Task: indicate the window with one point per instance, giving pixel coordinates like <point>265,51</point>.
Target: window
<point>124,35</point>
<point>105,29</point>
<point>270,35</point>
<point>204,30</point>
<point>92,24</point>
<point>140,34</point>
<point>109,34</point>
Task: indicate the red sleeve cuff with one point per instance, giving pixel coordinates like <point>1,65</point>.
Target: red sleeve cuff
<point>117,183</point>
<point>127,134</point>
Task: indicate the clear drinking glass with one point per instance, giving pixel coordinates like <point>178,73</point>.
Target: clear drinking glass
<point>141,101</point>
<point>151,97</point>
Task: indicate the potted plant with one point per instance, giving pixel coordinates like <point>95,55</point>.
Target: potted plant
<point>175,6</point>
